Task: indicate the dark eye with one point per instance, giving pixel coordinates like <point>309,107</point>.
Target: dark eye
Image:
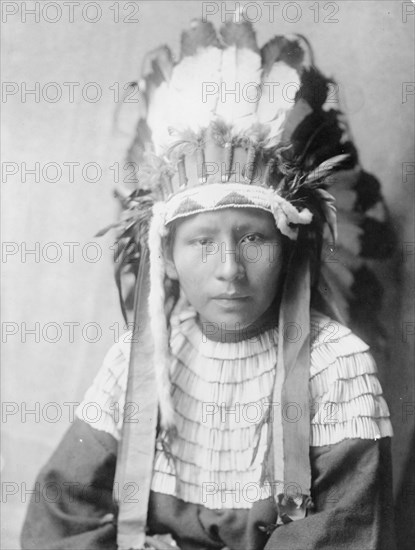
<point>204,241</point>
<point>253,238</point>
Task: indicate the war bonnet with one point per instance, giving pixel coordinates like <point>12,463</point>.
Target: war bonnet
<point>233,126</point>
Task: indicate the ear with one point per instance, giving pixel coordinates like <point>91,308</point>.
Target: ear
<point>171,270</point>
<point>169,264</point>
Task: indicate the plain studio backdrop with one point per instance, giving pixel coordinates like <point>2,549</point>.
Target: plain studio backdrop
<point>60,306</point>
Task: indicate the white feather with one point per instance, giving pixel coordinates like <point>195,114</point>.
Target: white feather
<point>240,88</point>
<point>278,89</point>
<point>194,91</point>
<point>156,117</point>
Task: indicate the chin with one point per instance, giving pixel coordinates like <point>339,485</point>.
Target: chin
<point>233,321</point>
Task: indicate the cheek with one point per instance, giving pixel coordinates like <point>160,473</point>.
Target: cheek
<point>271,281</point>
<point>190,276</point>
<point>268,269</point>
<point>192,265</point>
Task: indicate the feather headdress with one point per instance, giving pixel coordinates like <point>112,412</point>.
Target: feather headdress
<point>232,125</point>
<point>229,111</point>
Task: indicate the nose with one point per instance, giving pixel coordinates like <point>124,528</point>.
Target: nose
<point>230,266</point>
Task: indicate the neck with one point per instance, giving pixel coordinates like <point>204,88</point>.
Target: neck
<point>268,320</point>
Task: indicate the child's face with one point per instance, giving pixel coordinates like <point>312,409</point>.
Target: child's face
<point>228,264</point>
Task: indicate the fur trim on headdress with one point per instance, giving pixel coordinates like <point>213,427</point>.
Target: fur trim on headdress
<point>217,196</point>
<point>286,215</point>
<point>157,315</point>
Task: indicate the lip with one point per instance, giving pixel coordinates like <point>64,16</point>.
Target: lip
<point>230,297</point>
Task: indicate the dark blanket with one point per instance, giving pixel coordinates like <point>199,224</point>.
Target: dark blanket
<point>73,507</point>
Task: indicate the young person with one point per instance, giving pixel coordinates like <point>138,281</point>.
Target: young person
<point>244,415</point>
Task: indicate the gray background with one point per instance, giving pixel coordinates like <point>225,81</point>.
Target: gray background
<point>369,51</point>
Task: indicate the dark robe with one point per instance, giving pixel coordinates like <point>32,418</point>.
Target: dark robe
<point>73,506</point>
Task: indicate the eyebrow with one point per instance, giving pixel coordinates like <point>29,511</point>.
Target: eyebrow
<point>257,226</point>
<point>203,228</point>
<point>213,226</point>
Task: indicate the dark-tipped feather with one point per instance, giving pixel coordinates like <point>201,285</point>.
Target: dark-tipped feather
<point>201,34</point>
<point>241,35</point>
<point>157,65</point>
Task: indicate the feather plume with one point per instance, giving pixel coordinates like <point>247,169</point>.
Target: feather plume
<point>296,51</point>
<point>241,35</point>
<point>253,141</point>
<point>256,135</point>
<point>155,173</point>
<point>127,114</point>
<point>295,117</point>
<point>193,91</point>
<point>201,34</point>
<point>157,67</point>
<point>271,52</point>
<point>324,170</point>
<point>277,88</point>
<point>153,86</point>
<point>157,113</point>
<point>350,232</point>
<point>342,185</point>
<point>187,143</point>
<point>221,132</point>
<point>329,211</point>
<point>240,84</point>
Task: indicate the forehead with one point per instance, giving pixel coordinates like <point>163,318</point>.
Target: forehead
<point>229,219</point>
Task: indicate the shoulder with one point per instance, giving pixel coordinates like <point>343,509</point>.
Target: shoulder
<point>103,404</point>
<point>332,346</point>
<point>346,396</point>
